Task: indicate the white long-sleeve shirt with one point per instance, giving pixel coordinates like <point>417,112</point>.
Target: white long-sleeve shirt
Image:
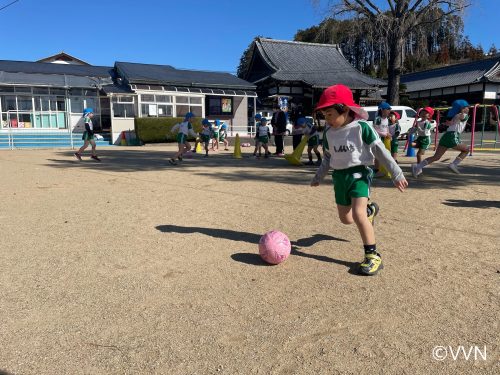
<point>184,127</point>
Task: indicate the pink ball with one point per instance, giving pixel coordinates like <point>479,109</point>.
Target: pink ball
<point>274,247</point>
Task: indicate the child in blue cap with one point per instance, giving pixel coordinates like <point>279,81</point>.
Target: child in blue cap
<point>205,135</point>
<point>223,135</point>
<point>457,118</point>
<point>183,129</point>
<point>88,135</point>
<point>381,126</point>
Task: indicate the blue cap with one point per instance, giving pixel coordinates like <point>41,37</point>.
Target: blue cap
<point>456,107</point>
<point>189,115</point>
<point>217,122</point>
<point>301,121</point>
<point>263,119</point>
<point>205,122</point>
<point>258,116</point>
<point>384,105</point>
<point>88,110</point>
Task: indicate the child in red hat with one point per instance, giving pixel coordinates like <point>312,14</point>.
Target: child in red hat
<point>423,129</point>
<point>350,147</point>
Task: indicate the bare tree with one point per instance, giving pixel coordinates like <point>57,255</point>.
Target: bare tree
<point>395,21</point>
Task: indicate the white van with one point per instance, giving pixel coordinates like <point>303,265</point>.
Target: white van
<point>406,121</point>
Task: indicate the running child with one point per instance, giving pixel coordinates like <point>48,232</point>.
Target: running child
<point>264,134</point>
<point>394,132</point>
<point>223,135</point>
<point>311,131</point>
<point>350,146</point>
<point>257,118</point>
<point>183,129</point>
<point>205,135</point>
<point>215,135</point>
<point>381,126</point>
<point>423,129</point>
<point>457,118</point>
<point>88,135</point>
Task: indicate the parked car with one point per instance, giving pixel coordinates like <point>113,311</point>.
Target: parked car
<point>289,126</point>
<point>406,121</point>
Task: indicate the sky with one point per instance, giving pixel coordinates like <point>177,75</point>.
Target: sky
<point>187,34</point>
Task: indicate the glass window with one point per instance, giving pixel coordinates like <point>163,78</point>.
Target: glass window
<point>60,104</point>
<point>58,91</point>
<point>45,103</point>
<point>123,110</point>
<point>195,100</point>
<point>91,103</point>
<point>147,98</point>
<point>214,106</point>
<point>197,110</point>
<point>163,98</point>
<point>411,113</point>
<point>182,110</point>
<point>89,92</point>
<point>149,110</point>
<point>41,90</point>
<point>24,103</point>
<point>76,104</point>
<point>9,103</point>
<point>23,89</point>
<point>7,89</point>
<point>75,92</point>
<point>182,99</point>
<point>165,110</point>
<point>38,103</point>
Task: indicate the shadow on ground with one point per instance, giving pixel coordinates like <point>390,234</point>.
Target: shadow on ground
<point>478,203</point>
<point>252,238</point>
<point>274,169</point>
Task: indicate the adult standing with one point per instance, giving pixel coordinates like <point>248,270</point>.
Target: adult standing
<point>279,126</point>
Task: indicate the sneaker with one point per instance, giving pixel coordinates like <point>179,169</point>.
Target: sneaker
<point>372,210</point>
<point>180,158</point>
<point>310,162</point>
<point>371,264</point>
<point>226,149</point>
<point>78,156</point>
<point>95,158</point>
<point>318,162</point>
<point>454,168</point>
<point>415,170</point>
<point>281,154</point>
<point>172,161</point>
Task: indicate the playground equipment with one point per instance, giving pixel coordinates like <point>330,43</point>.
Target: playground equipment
<point>484,136</point>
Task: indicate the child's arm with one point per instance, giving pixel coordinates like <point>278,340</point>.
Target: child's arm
<point>175,128</point>
<point>385,158</point>
<point>322,170</point>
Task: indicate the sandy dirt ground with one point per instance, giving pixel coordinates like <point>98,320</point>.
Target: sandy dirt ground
<point>133,266</point>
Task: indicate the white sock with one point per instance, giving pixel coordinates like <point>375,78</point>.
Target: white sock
<point>422,164</point>
<point>457,161</point>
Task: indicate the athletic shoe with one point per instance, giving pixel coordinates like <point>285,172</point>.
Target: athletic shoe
<point>454,168</point>
<point>281,154</point>
<point>371,264</point>
<point>172,161</point>
<point>310,162</point>
<point>95,158</point>
<point>180,158</point>
<point>318,162</point>
<point>372,210</point>
<point>226,149</point>
<point>415,170</point>
<point>78,156</point>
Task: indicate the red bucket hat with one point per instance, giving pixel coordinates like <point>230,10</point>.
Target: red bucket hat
<point>340,94</point>
<point>398,116</point>
<point>429,110</point>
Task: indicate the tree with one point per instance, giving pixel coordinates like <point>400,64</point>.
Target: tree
<point>396,21</point>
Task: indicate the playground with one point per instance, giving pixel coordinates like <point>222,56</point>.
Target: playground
<point>134,266</point>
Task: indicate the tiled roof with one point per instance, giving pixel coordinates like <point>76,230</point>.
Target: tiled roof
<point>454,75</point>
<point>51,68</point>
<point>168,75</point>
<point>319,65</point>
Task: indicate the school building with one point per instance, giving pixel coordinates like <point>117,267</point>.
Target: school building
<point>41,103</point>
<point>476,81</point>
<point>301,71</point>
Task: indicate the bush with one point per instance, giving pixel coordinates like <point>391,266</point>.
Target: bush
<point>158,129</point>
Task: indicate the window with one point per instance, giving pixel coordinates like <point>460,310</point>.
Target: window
<point>165,110</point>
<point>76,104</point>
<point>9,103</point>
<point>163,99</point>
<point>147,98</point>
<point>410,113</point>
<point>220,106</point>
<point>182,99</point>
<point>123,106</point>
<point>24,103</point>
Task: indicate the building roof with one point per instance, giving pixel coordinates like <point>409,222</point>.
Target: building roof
<point>63,57</point>
<point>486,70</point>
<point>318,65</point>
<point>49,68</point>
<point>168,75</point>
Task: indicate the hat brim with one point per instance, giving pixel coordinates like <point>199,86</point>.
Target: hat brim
<point>359,111</point>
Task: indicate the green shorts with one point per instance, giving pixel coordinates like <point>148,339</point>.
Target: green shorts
<point>264,139</point>
<point>313,141</point>
<point>423,142</point>
<point>222,136</point>
<point>450,139</point>
<point>394,146</point>
<point>181,138</point>
<point>86,136</point>
<point>215,135</point>
<point>205,138</point>
<point>350,183</point>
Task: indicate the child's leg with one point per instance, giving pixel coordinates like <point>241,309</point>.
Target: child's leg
<point>318,154</point>
<point>437,155</point>
<point>361,219</point>
<point>206,148</point>
<point>464,150</point>
<point>226,144</point>
<point>309,153</point>
<point>420,153</point>
<point>85,145</point>
<point>92,143</point>
<point>266,150</point>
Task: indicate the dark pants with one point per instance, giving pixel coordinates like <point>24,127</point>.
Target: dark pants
<point>296,140</point>
<point>278,140</point>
